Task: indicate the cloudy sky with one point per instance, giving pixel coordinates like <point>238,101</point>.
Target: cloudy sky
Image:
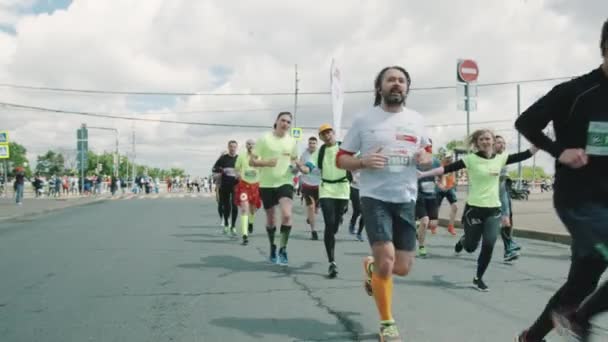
<point>204,50</point>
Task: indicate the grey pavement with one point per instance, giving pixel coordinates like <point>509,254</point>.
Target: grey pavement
<point>32,207</point>
<point>159,270</point>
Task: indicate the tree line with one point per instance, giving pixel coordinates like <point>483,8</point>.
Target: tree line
<point>57,163</point>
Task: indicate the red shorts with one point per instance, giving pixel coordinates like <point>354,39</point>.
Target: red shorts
<point>247,192</point>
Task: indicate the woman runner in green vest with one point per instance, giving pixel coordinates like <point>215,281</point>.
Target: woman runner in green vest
<point>482,214</point>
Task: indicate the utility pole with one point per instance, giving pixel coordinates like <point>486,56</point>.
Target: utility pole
<point>468,108</point>
<point>519,136</point>
<point>82,144</point>
<point>295,100</point>
<point>117,171</point>
<point>133,150</point>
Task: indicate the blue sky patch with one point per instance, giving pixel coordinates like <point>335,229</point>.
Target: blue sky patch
<point>48,6</point>
<point>38,7</point>
<point>221,74</point>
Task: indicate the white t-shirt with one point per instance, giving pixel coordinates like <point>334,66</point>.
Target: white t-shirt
<point>400,135</point>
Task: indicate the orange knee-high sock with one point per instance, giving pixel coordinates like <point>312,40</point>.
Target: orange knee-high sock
<point>383,294</point>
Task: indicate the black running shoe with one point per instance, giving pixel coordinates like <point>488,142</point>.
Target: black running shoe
<point>480,285</point>
<point>523,337</point>
<point>458,247</point>
<point>332,272</point>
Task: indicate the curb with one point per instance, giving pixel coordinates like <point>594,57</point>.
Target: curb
<point>48,211</point>
<point>524,233</point>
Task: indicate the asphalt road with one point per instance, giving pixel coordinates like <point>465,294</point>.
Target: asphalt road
<point>159,270</point>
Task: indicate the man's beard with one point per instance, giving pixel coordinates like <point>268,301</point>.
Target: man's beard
<point>392,98</point>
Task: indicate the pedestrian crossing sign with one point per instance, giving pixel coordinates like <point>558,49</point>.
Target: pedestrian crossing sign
<point>4,152</point>
<point>296,133</point>
<point>3,137</point>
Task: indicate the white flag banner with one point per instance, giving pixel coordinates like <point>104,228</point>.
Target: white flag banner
<point>337,97</point>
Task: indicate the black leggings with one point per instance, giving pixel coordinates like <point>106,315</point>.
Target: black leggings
<point>356,201</point>
<point>481,223</point>
<point>333,210</point>
<point>583,277</point>
<point>227,203</point>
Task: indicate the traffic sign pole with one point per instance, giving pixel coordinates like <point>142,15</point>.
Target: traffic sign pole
<point>83,147</point>
<point>81,172</point>
<point>4,141</point>
<point>468,109</point>
<point>467,72</point>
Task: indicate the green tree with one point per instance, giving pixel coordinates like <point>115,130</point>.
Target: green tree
<point>527,172</point>
<point>174,172</point>
<point>455,144</point>
<point>140,170</point>
<point>92,159</point>
<point>50,163</point>
<point>107,163</point>
<point>155,172</point>
<point>125,167</point>
<point>18,157</point>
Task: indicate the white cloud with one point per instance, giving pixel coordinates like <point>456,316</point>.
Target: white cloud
<point>179,46</point>
<point>10,10</point>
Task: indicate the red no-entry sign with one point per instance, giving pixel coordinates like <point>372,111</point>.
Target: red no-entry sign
<point>467,71</point>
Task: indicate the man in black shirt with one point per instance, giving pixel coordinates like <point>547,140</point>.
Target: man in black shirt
<point>579,112</point>
<point>19,185</point>
<point>224,167</point>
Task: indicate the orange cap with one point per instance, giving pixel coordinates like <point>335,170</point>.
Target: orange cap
<point>325,127</point>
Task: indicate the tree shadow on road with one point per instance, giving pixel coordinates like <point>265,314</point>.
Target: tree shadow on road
<point>235,264</point>
<point>298,329</point>
<point>205,235</point>
<point>546,256</point>
<point>209,238</point>
<point>435,281</point>
<point>233,242</point>
<point>200,226</point>
<point>358,254</point>
<point>463,257</point>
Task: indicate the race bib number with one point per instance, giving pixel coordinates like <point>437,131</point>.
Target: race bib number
<point>230,172</point>
<point>398,162</point>
<point>427,187</point>
<point>597,138</point>
<point>251,173</point>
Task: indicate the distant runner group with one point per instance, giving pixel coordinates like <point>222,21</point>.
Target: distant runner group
<point>384,166</point>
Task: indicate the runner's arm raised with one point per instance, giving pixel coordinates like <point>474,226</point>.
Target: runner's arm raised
<point>438,171</point>
<point>521,156</point>
<point>259,151</point>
